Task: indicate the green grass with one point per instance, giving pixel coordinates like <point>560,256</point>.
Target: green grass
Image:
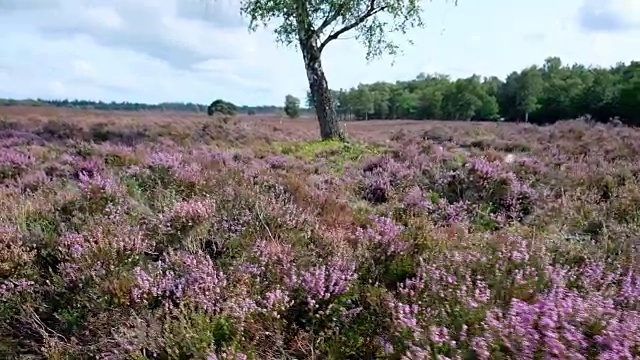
<point>335,152</point>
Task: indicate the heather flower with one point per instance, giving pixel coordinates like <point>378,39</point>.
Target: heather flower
<point>74,244</point>
<point>14,255</point>
<point>96,184</point>
<point>69,159</point>
<point>11,288</point>
<point>277,162</point>
<point>16,159</point>
<point>323,281</point>
<point>189,173</point>
<point>94,253</point>
<point>276,300</point>
<point>414,199</point>
<point>272,252</point>
<point>87,168</point>
<point>187,213</point>
<point>416,353</point>
<point>134,170</point>
<point>164,159</point>
<point>273,261</point>
<point>455,213</point>
<point>480,348</point>
<point>490,184</point>
<point>220,157</point>
<point>180,248</point>
<point>13,163</point>
<point>385,166</point>
<point>385,235</point>
<point>239,307</point>
<point>387,347</point>
<point>77,245</point>
<point>439,335</point>
<point>180,277</point>
<point>405,317</point>
<point>376,189</point>
<point>34,181</point>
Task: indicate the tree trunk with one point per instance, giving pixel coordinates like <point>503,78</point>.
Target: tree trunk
<point>327,117</point>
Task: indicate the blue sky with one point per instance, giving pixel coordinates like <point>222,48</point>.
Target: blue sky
<point>180,50</point>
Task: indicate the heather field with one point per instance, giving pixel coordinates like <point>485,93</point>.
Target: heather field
<point>173,236</point>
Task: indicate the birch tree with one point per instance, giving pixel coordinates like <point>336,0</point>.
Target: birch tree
<point>311,25</point>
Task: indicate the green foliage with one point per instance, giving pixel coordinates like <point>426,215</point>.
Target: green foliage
<point>544,94</point>
<point>340,151</point>
<point>191,333</point>
<point>292,106</point>
<point>529,87</point>
<point>222,107</point>
<point>364,17</point>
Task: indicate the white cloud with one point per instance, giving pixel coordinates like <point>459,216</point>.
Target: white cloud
<point>610,15</point>
<point>199,50</point>
<point>104,17</point>
<point>58,88</point>
<point>84,69</point>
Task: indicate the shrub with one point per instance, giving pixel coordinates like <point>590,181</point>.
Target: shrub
<point>222,107</point>
<point>220,241</point>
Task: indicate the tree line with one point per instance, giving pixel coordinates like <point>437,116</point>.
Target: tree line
<point>538,94</point>
<point>134,106</point>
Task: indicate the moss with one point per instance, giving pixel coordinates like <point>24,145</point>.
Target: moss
<point>335,152</point>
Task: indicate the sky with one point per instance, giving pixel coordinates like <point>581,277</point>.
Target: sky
<point>198,50</point>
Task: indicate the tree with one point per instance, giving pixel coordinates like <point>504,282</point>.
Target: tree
<point>461,100</point>
<point>362,102</point>
<point>312,25</point>
<point>292,106</point>
<point>222,107</point>
<point>489,108</point>
<point>408,103</point>
<point>309,100</point>
<point>629,95</point>
<point>540,94</point>
<point>529,88</point>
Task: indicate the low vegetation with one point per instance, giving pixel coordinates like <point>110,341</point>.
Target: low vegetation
<point>191,240</point>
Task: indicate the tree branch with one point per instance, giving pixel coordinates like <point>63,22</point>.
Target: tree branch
<point>330,19</point>
<point>371,10</point>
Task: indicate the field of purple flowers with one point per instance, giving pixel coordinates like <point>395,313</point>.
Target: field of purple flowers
<point>195,239</point>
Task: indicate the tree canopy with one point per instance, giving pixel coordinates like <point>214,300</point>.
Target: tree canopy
<point>328,20</point>
<point>292,106</point>
<point>548,93</point>
<point>222,107</point>
<point>540,94</point>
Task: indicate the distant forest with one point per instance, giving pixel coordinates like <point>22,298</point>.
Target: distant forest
<point>132,106</point>
<point>537,94</point>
